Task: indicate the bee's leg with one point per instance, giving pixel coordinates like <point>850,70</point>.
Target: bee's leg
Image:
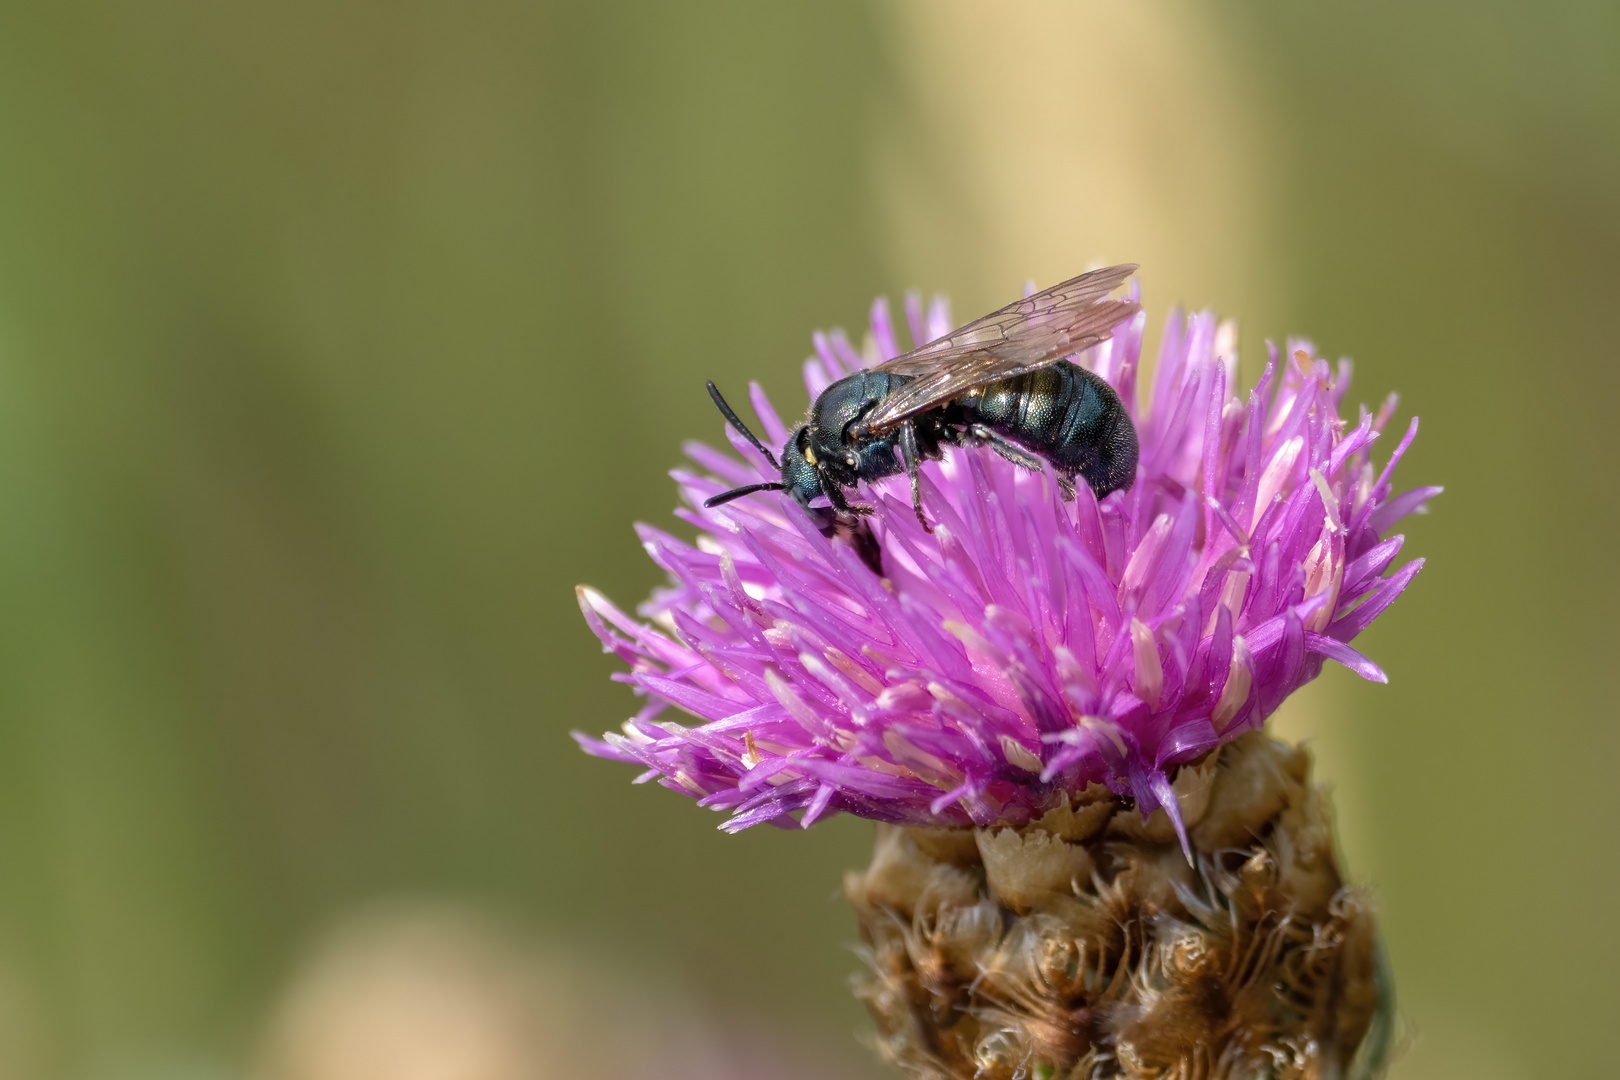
<point>826,520</point>
<point>909,455</point>
<point>846,521</point>
<point>858,532</point>
<point>1065,486</point>
<point>1005,447</point>
<point>835,495</point>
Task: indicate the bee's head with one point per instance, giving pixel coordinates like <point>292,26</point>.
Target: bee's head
<point>800,476</point>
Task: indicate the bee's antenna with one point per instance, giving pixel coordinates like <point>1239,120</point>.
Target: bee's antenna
<point>737,493</point>
<point>732,419</point>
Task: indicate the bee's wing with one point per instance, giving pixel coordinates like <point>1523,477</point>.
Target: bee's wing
<point>1031,333</point>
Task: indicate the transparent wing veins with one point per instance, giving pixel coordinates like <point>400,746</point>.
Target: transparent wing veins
<point>1031,333</point>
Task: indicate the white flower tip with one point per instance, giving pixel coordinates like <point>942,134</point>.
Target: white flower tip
<point>1020,755</point>
<point>1330,501</point>
<point>1103,727</point>
<point>1235,693</point>
<point>1276,474</point>
<point>968,636</point>
<point>1149,668</point>
<point>1226,339</point>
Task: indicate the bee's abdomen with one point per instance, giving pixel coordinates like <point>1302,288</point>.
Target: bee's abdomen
<point>1068,416</point>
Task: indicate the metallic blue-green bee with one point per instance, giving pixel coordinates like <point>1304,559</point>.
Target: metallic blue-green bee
<point>1000,381</point>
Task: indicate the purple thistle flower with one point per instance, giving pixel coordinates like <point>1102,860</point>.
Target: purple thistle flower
<point>1028,646</point>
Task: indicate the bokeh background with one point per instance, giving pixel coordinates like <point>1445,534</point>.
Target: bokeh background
<point>339,340</point>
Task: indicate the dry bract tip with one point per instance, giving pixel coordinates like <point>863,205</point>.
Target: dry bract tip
<point>1256,960</point>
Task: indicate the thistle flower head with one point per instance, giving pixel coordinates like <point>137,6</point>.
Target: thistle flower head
<point>1028,647</point>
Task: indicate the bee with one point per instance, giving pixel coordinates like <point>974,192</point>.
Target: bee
<point>1000,381</point>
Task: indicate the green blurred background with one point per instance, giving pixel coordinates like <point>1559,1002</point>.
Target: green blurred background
<point>340,340</point>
